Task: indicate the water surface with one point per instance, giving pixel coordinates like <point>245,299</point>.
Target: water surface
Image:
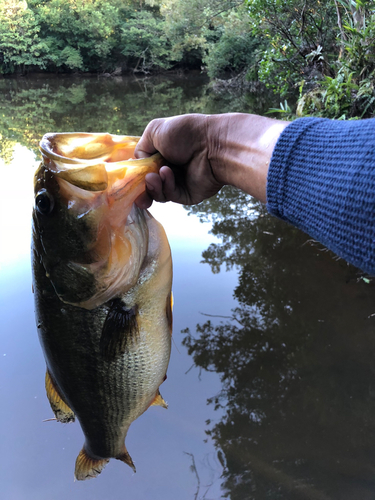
<point>271,383</point>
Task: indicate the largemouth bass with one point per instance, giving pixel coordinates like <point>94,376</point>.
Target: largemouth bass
<point>102,277</point>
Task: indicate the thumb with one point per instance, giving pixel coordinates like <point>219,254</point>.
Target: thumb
<point>145,146</point>
<point>140,153</point>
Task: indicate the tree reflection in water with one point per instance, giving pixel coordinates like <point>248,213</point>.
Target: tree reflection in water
<point>32,106</point>
<point>296,362</point>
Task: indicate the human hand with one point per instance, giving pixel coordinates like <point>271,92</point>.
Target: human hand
<point>205,152</point>
<point>188,177</point>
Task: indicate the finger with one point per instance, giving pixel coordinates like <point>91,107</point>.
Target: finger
<point>170,191</point>
<point>143,150</point>
<point>145,146</point>
<point>144,201</point>
<point>154,187</point>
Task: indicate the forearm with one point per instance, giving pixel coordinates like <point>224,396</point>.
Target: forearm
<point>240,149</point>
<point>322,180</point>
<point>317,174</point>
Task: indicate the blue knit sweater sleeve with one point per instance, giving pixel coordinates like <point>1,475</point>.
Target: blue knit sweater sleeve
<point>322,180</point>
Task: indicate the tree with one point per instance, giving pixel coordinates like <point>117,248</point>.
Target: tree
<point>21,47</point>
<point>144,43</point>
<point>231,46</point>
<point>80,34</point>
<point>195,26</point>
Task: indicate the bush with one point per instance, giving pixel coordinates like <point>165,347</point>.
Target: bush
<point>143,42</point>
<point>230,54</point>
<point>20,45</point>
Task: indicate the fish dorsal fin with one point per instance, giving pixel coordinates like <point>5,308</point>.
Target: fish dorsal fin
<point>119,330</point>
<point>126,458</point>
<point>61,410</point>
<point>159,401</point>
<point>88,467</point>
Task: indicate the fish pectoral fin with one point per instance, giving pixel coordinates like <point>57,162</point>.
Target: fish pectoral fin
<point>61,410</point>
<point>168,311</point>
<point>126,458</point>
<point>119,330</point>
<point>88,467</point>
<point>159,401</point>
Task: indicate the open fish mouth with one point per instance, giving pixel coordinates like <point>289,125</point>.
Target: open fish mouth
<point>87,183</point>
<point>94,162</point>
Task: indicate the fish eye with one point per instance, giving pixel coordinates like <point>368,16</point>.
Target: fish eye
<point>44,202</point>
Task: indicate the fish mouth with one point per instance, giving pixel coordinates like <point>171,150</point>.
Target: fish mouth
<point>98,181</point>
<point>97,162</point>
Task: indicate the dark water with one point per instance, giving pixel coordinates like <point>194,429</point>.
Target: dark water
<point>271,385</point>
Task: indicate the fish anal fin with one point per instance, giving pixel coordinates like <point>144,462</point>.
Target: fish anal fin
<point>61,410</point>
<point>159,401</point>
<point>88,467</point>
<point>126,458</point>
<point>119,330</point>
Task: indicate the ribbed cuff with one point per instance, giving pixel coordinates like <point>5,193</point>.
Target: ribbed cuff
<point>322,180</point>
<point>277,179</point>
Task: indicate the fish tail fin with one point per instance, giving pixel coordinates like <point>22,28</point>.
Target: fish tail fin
<point>126,458</point>
<point>88,467</point>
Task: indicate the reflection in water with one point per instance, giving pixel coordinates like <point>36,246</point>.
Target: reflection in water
<point>31,107</point>
<point>40,455</point>
<point>294,415</point>
<point>296,362</point>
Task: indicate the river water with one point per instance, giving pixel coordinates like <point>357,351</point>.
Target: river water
<point>271,385</point>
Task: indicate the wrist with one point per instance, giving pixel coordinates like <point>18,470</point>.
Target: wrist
<point>240,150</point>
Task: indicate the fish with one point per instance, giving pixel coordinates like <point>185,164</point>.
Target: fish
<point>102,283</point>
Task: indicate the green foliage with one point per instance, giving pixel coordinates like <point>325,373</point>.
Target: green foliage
<point>80,33</point>
<point>350,92</point>
<point>358,43</point>
<point>20,44</point>
<point>284,110</point>
<point>292,31</point>
<point>144,43</point>
<point>332,99</point>
<point>339,98</point>
<point>231,46</point>
<point>196,28</point>
<point>71,58</point>
<point>185,23</point>
<point>328,45</point>
<point>105,35</point>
